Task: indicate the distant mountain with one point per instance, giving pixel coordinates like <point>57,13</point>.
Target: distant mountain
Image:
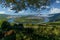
<point>55,17</point>
<point>4,16</point>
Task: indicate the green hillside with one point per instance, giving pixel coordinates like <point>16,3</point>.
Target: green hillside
<point>29,19</point>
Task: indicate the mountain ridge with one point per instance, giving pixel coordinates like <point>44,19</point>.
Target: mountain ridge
<point>55,17</point>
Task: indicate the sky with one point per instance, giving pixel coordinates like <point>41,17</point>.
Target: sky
<point>52,9</point>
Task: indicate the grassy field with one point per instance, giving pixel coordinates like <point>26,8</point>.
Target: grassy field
<point>44,31</point>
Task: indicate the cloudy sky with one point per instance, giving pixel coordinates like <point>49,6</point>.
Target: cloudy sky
<point>52,9</point>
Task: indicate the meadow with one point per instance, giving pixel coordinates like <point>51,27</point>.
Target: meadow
<point>44,31</point>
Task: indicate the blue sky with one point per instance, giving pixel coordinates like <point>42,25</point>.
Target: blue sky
<point>52,9</point>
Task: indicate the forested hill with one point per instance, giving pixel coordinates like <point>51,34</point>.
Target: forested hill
<point>55,17</point>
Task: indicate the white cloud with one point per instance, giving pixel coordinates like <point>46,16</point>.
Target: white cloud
<point>57,1</point>
<point>47,7</point>
<point>2,12</point>
<point>21,11</point>
<point>54,10</point>
<point>10,10</point>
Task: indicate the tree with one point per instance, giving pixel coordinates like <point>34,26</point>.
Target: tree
<point>19,5</point>
<point>1,35</point>
<point>6,26</point>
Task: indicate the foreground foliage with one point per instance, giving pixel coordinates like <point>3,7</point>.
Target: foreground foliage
<point>37,32</point>
<point>19,5</point>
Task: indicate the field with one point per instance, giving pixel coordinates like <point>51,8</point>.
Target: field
<point>44,31</point>
<point>48,31</point>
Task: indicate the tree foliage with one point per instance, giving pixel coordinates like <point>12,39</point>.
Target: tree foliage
<point>6,26</point>
<point>19,5</point>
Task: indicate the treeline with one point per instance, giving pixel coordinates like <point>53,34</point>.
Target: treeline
<point>18,32</point>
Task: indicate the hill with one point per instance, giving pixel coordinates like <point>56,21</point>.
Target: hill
<point>55,17</point>
<point>29,19</point>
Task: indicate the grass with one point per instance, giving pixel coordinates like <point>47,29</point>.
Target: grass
<point>44,31</point>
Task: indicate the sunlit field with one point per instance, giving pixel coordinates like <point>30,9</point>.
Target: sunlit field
<point>44,31</point>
